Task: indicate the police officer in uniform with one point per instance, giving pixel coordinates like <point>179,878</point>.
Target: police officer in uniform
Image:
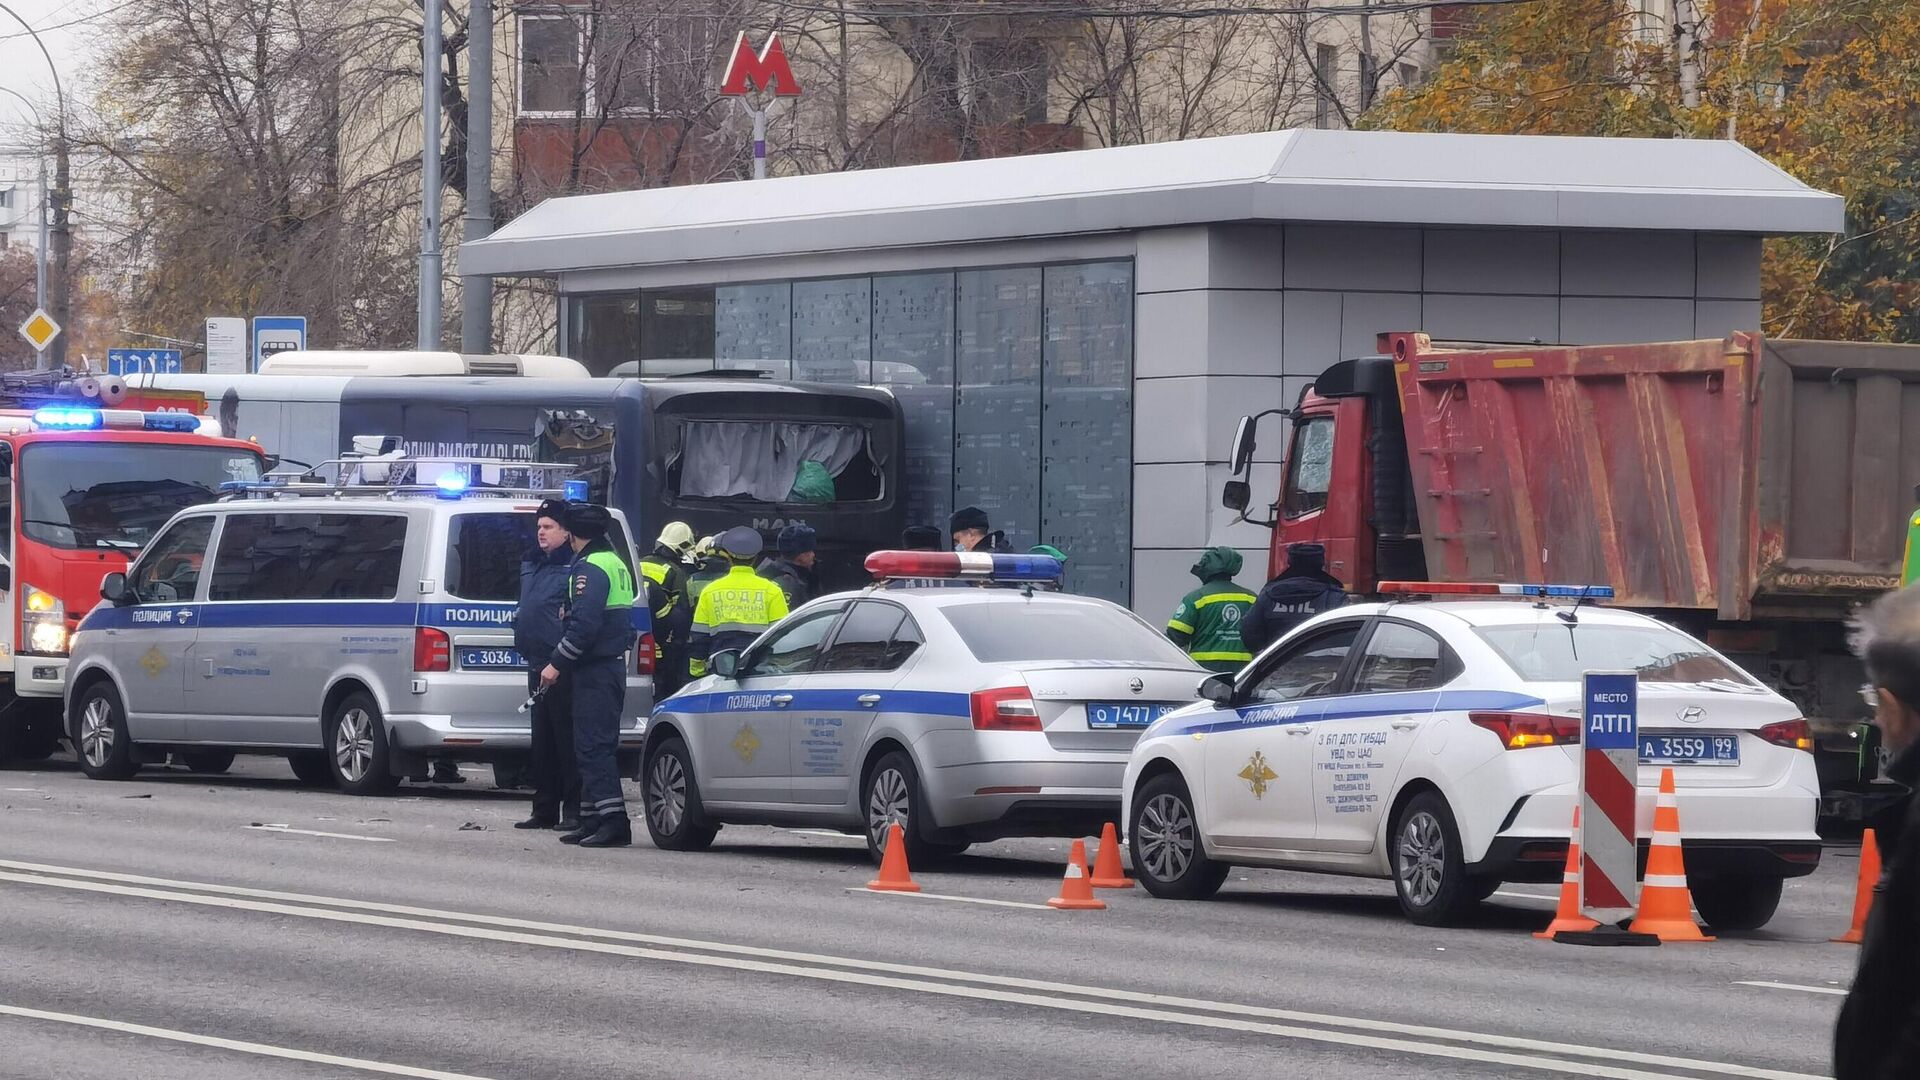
<point>734,609</point>
<point>537,629</point>
<point>666,570</point>
<point>1303,590</point>
<point>592,652</point>
<point>793,569</point>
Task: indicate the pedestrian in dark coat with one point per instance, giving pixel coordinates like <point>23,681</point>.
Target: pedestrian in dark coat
<point>536,633</point>
<point>792,569</point>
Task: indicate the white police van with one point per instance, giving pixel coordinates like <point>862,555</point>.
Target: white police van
<point>360,627</point>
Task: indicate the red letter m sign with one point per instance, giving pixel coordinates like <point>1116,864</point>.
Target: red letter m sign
<point>759,71</point>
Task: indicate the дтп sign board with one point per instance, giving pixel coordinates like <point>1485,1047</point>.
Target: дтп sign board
<point>1610,793</point>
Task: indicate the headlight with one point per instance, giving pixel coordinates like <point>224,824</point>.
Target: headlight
<point>43,619</point>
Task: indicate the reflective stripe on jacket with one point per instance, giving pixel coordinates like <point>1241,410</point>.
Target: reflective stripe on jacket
<point>1207,625</point>
<point>732,611</point>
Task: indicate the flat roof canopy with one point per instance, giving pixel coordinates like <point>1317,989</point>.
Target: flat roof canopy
<point>1355,177</point>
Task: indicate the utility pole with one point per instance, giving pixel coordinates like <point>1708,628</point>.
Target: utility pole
<point>62,198</point>
<point>476,291</point>
<point>1366,57</point>
<point>429,336</point>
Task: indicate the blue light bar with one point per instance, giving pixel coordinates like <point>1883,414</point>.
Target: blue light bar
<point>172,421</point>
<point>452,485</point>
<point>69,419</point>
<point>574,491</point>
<point>1495,588</point>
<point>1578,592</point>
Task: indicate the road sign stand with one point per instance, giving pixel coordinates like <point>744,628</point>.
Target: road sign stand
<point>1609,806</point>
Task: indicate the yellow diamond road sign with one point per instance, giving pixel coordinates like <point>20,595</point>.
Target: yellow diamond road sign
<point>39,329</point>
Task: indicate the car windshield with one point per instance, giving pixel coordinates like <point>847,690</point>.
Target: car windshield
<point>1557,652</point>
<point>118,494</point>
<point>998,633</point>
<point>485,549</point>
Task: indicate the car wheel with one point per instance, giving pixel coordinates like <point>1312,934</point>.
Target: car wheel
<point>1429,872</point>
<point>100,737</point>
<point>1737,903</point>
<point>1482,887</point>
<point>675,819</point>
<point>892,795</point>
<point>208,761</point>
<point>310,768</point>
<point>1164,838</point>
<point>357,746</point>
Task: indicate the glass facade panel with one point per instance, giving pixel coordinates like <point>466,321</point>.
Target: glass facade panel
<point>753,328</point>
<point>1086,473</point>
<point>996,412</point>
<point>676,325</point>
<point>833,330</point>
<point>604,331</point>
<point>913,357</point>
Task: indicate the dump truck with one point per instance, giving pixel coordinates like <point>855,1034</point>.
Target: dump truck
<point>1753,492</point>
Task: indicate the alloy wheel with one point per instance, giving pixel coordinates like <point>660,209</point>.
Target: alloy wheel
<point>1166,837</point>
<point>96,732</point>
<point>888,804</point>
<point>667,794</point>
<point>1423,857</point>
<point>353,744</point>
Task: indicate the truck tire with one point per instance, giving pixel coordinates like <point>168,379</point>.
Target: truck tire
<point>1737,903</point>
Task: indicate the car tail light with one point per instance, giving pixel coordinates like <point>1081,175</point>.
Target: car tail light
<point>1792,734</point>
<point>1006,709</point>
<point>432,649</point>
<point>645,655</point>
<point>1521,731</point>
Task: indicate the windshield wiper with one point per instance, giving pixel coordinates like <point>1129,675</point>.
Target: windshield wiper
<point>117,545</point>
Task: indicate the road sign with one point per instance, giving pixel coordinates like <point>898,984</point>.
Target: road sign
<point>226,346</point>
<point>1610,794</point>
<point>277,334</point>
<point>144,362</point>
<point>40,329</point>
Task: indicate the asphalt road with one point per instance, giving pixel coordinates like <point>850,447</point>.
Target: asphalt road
<point>239,926</point>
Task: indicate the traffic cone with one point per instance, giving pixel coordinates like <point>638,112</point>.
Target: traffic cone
<point>1863,892</point>
<point>1107,871</point>
<point>1567,917</point>
<point>1666,905</point>
<point>894,876</point>
<point>1076,890</point>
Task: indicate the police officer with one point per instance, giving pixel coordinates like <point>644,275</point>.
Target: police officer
<point>666,570</point>
<point>792,569</point>
<point>971,531</point>
<point>594,641</point>
<point>537,631</point>
<point>735,608</point>
<point>1207,624</point>
<point>1302,589</point>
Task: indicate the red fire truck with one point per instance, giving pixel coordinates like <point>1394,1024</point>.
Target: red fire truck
<point>90,473</point>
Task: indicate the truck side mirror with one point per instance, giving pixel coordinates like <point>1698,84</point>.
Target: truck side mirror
<point>1218,689</point>
<point>113,588</point>
<point>1243,447</point>
<point>725,663</point>
<point>1236,495</point>
<point>6,578</point>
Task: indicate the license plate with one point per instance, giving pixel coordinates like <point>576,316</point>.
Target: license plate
<point>495,659</point>
<point>1690,749</point>
<point>1124,714</point>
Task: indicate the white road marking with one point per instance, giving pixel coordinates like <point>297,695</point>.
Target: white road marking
<point>261,1049</point>
<point>1049,988</point>
<point>828,834</point>
<point>955,899</point>
<point>1834,990</point>
<point>1525,896</point>
<point>316,832</point>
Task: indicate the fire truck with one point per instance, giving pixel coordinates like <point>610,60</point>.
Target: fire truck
<point>90,472</point>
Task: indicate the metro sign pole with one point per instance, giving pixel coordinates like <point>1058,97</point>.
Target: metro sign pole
<point>749,71</point>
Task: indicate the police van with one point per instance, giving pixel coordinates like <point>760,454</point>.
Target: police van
<point>361,626</point>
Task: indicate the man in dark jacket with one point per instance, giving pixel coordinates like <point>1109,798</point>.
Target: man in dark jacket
<point>594,639</point>
<point>792,569</point>
<point>536,633</point>
<point>1302,590</point>
<point>971,531</point>
<point>920,538</point>
<point>1878,1037</point>
<point>666,571</point>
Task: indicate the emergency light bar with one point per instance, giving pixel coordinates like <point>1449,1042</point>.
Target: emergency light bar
<point>73,418</point>
<point>1495,588</point>
<point>970,565</point>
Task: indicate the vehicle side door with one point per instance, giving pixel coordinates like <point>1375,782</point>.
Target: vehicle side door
<point>741,744</point>
<point>1362,737</point>
<point>1259,786</point>
<point>835,704</point>
<point>151,640</point>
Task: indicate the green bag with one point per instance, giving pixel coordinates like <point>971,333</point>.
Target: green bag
<point>812,484</point>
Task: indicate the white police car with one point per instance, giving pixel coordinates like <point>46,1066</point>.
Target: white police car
<point>1435,743</point>
<point>962,713</point>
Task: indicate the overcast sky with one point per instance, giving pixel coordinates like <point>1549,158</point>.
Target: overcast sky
<point>68,28</point>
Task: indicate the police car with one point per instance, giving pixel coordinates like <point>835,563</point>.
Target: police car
<point>1434,742</point>
<point>963,713</point>
<point>360,627</point>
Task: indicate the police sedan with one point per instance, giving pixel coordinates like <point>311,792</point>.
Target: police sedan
<point>964,713</point>
<point>1434,742</point>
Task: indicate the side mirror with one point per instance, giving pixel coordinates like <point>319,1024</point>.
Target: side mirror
<point>6,578</point>
<point>1242,453</point>
<point>724,663</point>
<point>1218,689</point>
<point>1236,495</point>
<point>113,588</point>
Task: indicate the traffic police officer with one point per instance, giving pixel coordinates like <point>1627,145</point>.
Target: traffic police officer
<point>1207,624</point>
<point>734,609</point>
<point>537,628</point>
<point>666,569</point>
<point>592,652</point>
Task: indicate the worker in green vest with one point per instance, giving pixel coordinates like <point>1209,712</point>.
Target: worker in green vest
<point>1207,624</point>
<point>596,632</point>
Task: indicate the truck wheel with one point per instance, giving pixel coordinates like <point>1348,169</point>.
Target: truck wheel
<point>1737,903</point>
<point>357,746</point>
<point>100,734</point>
<point>1429,871</point>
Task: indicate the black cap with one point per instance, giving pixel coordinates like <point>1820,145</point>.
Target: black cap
<point>555,509</point>
<point>588,521</point>
<point>1307,556</point>
<point>968,517</point>
<point>921,538</point>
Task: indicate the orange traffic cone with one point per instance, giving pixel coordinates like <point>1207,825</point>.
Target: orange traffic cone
<point>1567,917</point>
<point>894,876</point>
<point>1863,892</point>
<point>1076,891</point>
<point>1107,871</point>
<point>1666,905</point>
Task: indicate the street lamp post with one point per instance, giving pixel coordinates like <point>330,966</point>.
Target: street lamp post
<point>40,243</point>
<point>62,204</point>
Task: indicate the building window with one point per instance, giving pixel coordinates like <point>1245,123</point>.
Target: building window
<point>6,198</point>
<point>551,76</point>
<point>619,63</point>
<point>1006,81</point>
<point>1326,74</point>
<point>1409,75</point>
